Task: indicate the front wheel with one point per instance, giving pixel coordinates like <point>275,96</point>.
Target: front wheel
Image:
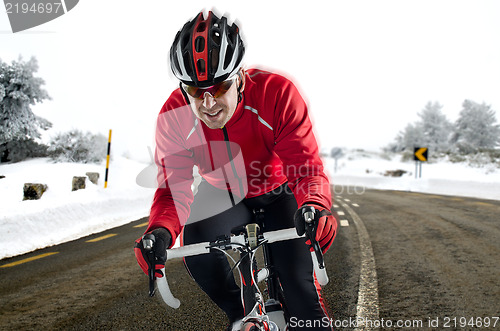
<point>255,326</point>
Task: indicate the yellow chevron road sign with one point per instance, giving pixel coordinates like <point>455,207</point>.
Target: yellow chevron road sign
<point>420,154</point>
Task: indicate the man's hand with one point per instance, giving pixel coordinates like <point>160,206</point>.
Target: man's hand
<point>325,225</point>
<point>162,240</point>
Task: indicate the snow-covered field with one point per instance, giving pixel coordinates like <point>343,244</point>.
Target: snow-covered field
<point>366,169</point>
<point>62,215</point>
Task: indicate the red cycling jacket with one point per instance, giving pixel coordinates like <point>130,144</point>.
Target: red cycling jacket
<point>267,142</point>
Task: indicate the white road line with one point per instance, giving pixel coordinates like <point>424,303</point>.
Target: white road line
<point>355,205</point>
<point>347,200</point>
<point>344,223</point>
<point>368,307</point>
<point>335,206</point>
<point>340,213</point>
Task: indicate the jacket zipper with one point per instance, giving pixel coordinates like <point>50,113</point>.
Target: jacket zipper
<point>230,155</point>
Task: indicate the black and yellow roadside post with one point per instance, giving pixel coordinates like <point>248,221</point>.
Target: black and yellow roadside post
<point>419,155</point>
<point>107,161</point>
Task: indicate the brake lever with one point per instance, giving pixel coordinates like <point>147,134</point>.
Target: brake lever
<point>148,241</point>
<point>316,247</point>
<point>309,220</point>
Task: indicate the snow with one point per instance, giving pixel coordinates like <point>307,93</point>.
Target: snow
<point>62,215</point>
<point>366,169</point>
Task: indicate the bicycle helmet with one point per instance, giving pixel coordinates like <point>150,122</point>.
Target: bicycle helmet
<point>206,51</point>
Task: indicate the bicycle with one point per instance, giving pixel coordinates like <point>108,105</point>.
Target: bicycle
<point>268,315</point>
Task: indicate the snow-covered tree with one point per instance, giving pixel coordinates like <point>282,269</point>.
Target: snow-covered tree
<point>436,128</point>
<point>20,150</point>
<point>77,146</point>
<point>432,131</point>
<point>411,136</point>
<point>476,128</point>
<point>19,90</point>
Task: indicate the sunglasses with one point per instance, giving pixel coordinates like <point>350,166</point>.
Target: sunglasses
<point>215,91</point>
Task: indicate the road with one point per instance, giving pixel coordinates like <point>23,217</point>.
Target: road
<point>420,260</point>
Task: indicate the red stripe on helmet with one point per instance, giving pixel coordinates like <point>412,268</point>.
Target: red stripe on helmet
<point>201,30</point>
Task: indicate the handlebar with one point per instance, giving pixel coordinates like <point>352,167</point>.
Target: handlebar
<point>229,243</point>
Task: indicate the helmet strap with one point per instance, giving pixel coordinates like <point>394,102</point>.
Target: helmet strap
<point>184,94</point>
<point>240,95</point>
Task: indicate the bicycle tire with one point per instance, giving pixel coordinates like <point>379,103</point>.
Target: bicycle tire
<point>251,326</point>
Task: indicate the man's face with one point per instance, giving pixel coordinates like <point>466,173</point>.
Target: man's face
<point>216,112</point>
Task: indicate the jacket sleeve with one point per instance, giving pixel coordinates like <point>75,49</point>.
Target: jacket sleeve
<point>296,146</point>
<point>173,197</point>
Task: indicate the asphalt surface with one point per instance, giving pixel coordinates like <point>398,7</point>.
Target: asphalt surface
<point>423,261</point>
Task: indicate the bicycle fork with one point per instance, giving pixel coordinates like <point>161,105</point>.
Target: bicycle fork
<point>259,315</point>
<point>256,317</point>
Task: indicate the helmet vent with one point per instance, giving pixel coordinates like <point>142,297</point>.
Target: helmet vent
<point>201,27</point>
<point>187,62</point>
<point>184,41</point>
<point>216,37</point>
<point>199,44</point>
<point>201,66</point>
<point>232,38</point>
<point>214,55</point>
<point>228,58</point>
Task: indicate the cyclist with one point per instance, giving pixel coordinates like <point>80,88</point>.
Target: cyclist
<point>249,135</point>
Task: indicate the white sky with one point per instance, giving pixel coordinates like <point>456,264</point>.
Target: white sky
<point>365,67</point>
